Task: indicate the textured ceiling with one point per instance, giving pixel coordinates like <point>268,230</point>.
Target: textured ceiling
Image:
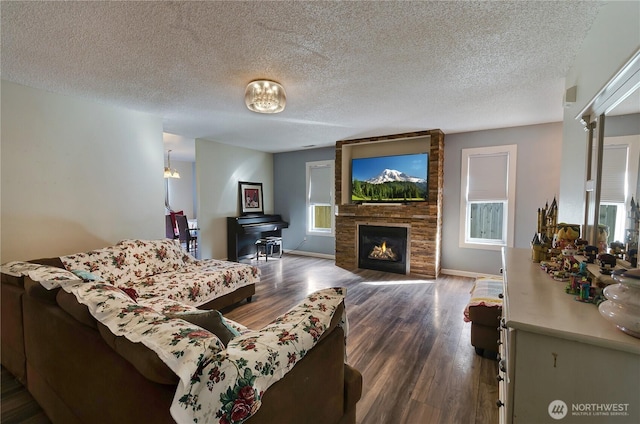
<point>350,69</point>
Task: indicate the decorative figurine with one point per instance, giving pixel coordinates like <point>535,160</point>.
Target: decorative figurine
<point>567,234</point>
<point>603,236</point>
<point>616,248</point>
<point>631,233</point>
<point>577,278</point>
<point>545,232</point>
<point>584,291</point>
<point>607,263</point>
<point>590,252</point>
<point>581,244</point>
<point>632,257</point>
<point>537,249</point>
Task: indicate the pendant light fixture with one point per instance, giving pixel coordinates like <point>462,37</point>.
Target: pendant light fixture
<point>168,172</point>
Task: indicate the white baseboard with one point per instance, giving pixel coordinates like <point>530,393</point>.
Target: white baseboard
<point>313,254</point>
<point>468,274</point>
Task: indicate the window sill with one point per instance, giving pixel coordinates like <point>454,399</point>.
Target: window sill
<point>321,233</point>
<point>482,246</point>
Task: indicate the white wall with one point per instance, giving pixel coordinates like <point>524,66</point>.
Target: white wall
<point>219,168</point>
<point>612,40</point>
<point>76,175</point>
<point>182,190</point>
<point>538,174</point>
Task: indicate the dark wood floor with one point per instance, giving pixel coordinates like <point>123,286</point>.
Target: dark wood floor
<point>17,404</point>
<point>406,336</point>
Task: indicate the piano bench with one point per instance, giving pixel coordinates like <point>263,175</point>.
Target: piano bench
<point>266,246</point>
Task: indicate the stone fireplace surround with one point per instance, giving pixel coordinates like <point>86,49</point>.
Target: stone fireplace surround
<point>424,219</point>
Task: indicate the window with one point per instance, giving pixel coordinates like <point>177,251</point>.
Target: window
<point>487,201</point>
<point>320,182</point>
<point>613,191</point>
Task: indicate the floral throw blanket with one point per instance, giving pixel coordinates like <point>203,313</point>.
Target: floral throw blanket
<point>160,270</point>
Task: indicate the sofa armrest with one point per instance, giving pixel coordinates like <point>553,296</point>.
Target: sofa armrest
<point>352,387</point>
<point>256,360</point>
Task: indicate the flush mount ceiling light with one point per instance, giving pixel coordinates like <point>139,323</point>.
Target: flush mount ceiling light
<point>264,96</point>
<point>168,172</point>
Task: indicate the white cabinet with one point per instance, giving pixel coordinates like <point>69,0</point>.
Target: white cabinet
<point>559,357</point>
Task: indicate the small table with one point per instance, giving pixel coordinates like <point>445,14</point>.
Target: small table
<point>266,245</point>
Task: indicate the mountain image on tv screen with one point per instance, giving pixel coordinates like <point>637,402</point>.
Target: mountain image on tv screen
<point>401,178</point>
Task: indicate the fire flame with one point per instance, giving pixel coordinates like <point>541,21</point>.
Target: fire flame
<point>383,253</point>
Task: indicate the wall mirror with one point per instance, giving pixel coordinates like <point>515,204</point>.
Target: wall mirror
<point>612,122</point>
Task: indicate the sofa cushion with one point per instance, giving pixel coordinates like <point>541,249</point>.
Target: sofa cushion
<point>51,277</point>
<point>18,268</point>
<point>35,289</point>
<point>212,321</point>
<point>145,360</point>
<point>108,264</point>
<point>130,260</point>
<point>150,257</point>
<point>12,272</point>
<point>55,261</point>
<point>197,284</point>
<point>80,312</point>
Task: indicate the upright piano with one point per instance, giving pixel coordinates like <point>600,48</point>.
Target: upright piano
<point>244,231</point>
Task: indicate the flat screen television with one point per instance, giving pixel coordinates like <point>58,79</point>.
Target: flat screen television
<point>390,179</point>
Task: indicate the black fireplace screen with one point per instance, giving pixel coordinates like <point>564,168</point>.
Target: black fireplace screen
<point>382,248</point>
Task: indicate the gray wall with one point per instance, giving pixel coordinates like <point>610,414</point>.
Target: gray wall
<point>537,182</point>
<point>538,175</point>
<point>289,177</point>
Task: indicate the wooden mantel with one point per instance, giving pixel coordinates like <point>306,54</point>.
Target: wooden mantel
<point>424,218</point>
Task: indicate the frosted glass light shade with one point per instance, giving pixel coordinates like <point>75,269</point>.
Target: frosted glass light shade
<point>168,173</point>
<point>264,96</point>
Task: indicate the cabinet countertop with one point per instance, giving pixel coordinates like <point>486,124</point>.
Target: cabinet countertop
<point>535,302</point>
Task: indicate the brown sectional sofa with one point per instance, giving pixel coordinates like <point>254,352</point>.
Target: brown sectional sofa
<point>77,377</point>
<point>12,331</point>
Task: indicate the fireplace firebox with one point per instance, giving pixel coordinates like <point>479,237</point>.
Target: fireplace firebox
<point>383,248</point>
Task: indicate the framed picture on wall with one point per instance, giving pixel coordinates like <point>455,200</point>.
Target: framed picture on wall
<point>251,198</point>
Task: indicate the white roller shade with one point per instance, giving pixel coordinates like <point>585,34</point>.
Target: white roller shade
<point>320,185</point>
<point>614,174</point>
<point>488,177</point>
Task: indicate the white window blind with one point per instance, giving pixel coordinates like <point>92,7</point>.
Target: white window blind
<point>614,174</point>
<point>320,185</point>
<point>488,177</point>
